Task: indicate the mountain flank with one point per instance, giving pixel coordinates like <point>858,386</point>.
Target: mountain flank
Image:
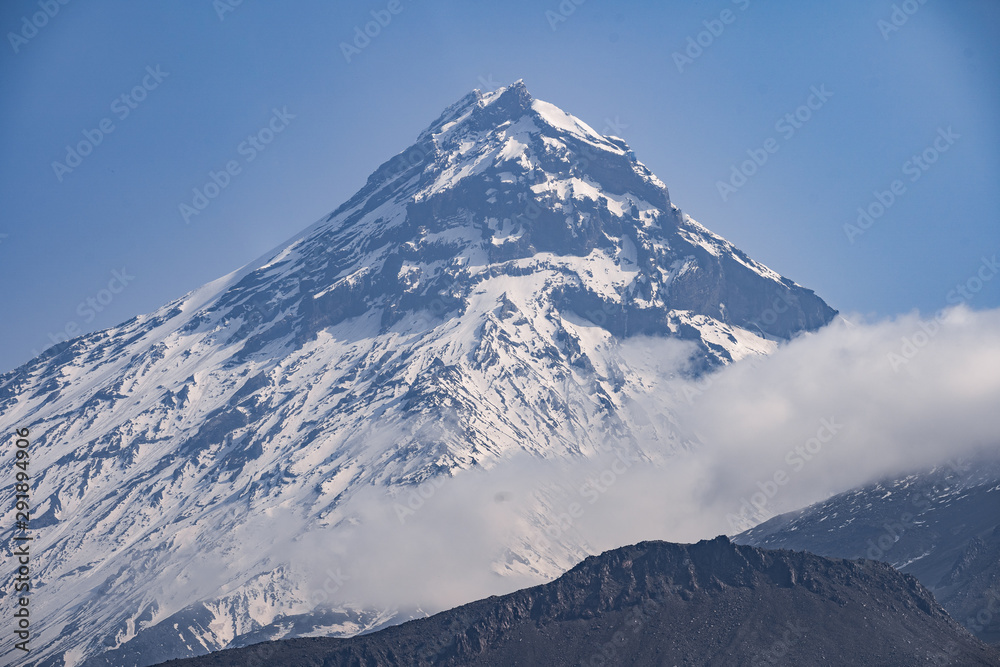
<point>941,525</point>
<point>658,603</point>
<point>475,301</point>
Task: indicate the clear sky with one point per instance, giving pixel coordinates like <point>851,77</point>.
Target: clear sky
<point>199,78</point>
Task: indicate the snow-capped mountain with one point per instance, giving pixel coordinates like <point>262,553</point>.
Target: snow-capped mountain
<point>469,303</point>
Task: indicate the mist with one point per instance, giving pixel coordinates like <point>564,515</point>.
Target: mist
<point>826,412</point>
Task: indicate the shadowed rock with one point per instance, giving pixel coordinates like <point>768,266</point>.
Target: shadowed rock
<point>657,603</point>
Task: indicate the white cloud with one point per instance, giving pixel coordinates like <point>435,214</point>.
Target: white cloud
<point>827,412</point>
<point>896,412</point>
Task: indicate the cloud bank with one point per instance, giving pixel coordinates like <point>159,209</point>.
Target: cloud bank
<point>827,412</point>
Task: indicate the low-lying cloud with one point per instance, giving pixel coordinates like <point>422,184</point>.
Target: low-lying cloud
<point>827,412</point>
<point>850,404</point>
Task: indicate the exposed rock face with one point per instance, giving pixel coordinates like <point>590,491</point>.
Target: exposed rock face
<point>470,302</point>
<point>657,603</point>
<point>942,526</point>
<point>504,184</point>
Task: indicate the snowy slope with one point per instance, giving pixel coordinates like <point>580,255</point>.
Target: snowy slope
<point>470,303</point>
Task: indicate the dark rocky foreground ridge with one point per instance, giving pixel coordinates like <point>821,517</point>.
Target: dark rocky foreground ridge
<point>658,603</point>
<point>942,526</point>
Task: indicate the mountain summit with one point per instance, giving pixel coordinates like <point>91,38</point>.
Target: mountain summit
<point>470,302</point>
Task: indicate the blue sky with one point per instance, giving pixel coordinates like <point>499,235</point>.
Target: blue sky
<point>199,80</point>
